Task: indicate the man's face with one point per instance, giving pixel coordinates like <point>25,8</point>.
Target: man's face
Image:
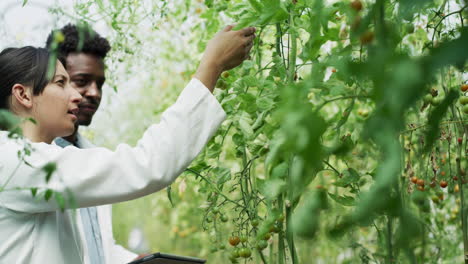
<point>87,77</point>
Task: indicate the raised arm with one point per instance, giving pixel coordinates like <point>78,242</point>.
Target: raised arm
<point>225,51</point>
<point>162,154</point>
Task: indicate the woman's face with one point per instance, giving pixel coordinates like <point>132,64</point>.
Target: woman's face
<point>55,109</point>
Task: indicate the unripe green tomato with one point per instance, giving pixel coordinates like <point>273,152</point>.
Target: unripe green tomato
<point>464,100</point>
<point>363,112</point>
<point>280,217</point>
<point>225,74</point>
<point>224,218</point>
<point>245,252</point>
<point>58,37</point>
<point>436,101</point>
<point>243,239</point>
<point>221,84</point>
<point>409,28</point>
<point>235,253</point>
<point>262,244</point>
<point>266,236</point>
<point>426,208</point>
<point>215,210</point>
<point>275,228</point>
<point>465,109</point>
<point>222,247</point>
<point>255,222</point>
<point>427,98</point>
<point>362,181</point>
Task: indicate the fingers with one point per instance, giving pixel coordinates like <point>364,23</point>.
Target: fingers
<point>249,47</point>
<point>248,31</point>
<point>228,28</point>
<point>249,40</point>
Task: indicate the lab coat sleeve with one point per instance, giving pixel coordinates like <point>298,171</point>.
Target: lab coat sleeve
<point>99,176</point>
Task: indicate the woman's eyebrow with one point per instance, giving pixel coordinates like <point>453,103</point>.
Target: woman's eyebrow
<point>61,75</point>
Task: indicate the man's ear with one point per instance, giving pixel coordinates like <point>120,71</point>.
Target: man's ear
<point>23,95</point>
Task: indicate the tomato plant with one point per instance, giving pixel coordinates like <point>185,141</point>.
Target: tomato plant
<point>346,136</point>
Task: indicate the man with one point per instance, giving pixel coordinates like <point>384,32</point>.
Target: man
<point>85,66</point>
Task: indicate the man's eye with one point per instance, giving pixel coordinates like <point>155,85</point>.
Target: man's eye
<point>61,82</point>
<point>80,82</point>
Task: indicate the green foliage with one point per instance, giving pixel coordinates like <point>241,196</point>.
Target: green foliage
<point>339,101</point>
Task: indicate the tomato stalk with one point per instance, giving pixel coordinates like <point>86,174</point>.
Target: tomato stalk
<point>389,239</point>
<point>462,203</point>
<point>461,131</point>
<point>289,209</point>
<point>291,79</point>
<point>293,49</point>
<point>281,246</point>
<point>259,52</point>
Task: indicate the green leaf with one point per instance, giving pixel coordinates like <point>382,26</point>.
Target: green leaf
<point>32,120</point>
<point>265,103</point>
<point>343,200</point>
<point>305,220</point>
<point>349,176</point>
<point>273,188</point>
<point>238,139</point>
<point>214,150</point>
<point>280,171</point>
<point>25,2</point>
<point>245,125</point>
<point>247,65</point>
<point>33,192</point>
<point>169,195</point>
<point>48,194</point>
<point>436,117</point>
<point>222,175</point>
<point>60,200</point>
<point>449,53</point>
<point>8,120</point>
<point>49,169</point>
<point>345,115</point>
<point>256,5</point>
<point>209,3</point>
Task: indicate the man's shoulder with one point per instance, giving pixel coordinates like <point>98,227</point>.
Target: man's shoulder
<point>83,142</point>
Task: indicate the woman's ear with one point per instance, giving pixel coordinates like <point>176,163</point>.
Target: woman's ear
<point>23,95</point>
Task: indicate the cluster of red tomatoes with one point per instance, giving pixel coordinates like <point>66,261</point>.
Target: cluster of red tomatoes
<point>241,243</point>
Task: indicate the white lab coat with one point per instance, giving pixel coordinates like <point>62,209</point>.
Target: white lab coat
<point>113,252</point>
<point>33,230</point>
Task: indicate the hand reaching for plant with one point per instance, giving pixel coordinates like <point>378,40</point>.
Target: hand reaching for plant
<point>226,50</point>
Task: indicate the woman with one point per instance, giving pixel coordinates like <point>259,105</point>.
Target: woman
<point>34,229</point>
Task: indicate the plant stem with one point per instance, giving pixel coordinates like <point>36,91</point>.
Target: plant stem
<point>292,50</point>
<point>262,257</point>
<point>281,247</point>
<point>291,78</point>
<point>289,232</point>
<point>214,187</point>
<point>340,98</point>
<point>462,205</point>
<point>389,239</point>
<point>461,132</point>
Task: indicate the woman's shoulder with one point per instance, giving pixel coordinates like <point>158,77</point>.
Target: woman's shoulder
<point>15,146</point>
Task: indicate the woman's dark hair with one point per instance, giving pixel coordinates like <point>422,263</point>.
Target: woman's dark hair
<point>26,66</point>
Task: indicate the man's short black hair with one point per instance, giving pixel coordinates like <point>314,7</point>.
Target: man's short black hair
<point>77,38</point>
